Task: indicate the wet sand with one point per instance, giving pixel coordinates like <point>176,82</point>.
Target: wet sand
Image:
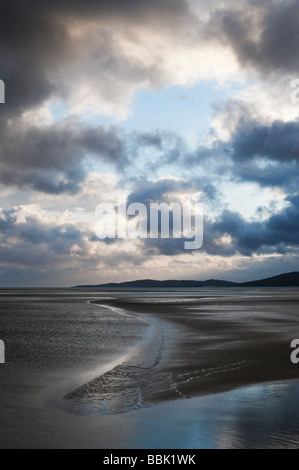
<point>201,346</point>
<point>83,376</point>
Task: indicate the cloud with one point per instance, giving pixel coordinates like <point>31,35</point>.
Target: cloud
<point>44,43</point>
<point>171,190</point>
<point>88,59</point>
<point>229,234</point>
<point>34,239</point>
<point>92,57</point>
<point>277,142</point>
<point>87,56</point>
<point>95,55</point>
<point>52,158</point>
<point>269,175</point>
<point>278,234</point>
<point>247,147</point>
<point>265,153</point>
<point>263,35</point>
<point>32,226</point>
<point>55,158</point>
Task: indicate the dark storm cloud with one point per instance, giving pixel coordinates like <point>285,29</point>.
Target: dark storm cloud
<point>36,48</point>
<point>29,242</point>
<point>35,41</point>
<point>38,54</point>
<point>31,42</point>
<point>30,229</point>
<point>278,141</point>
<point>258,152</point>
<point>132,8</point>
<point>265,154</point>
<point>263,34</point>
<point>279,233</point>
<point>52,159</point>
<point>281,175</point>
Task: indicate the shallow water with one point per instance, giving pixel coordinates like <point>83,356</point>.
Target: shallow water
<point>58,344</point>
<point>60,337</point>
<point>264,416</point>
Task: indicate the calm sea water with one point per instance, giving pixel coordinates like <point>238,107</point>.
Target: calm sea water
<point>56,341</point>
<point>56,332</point>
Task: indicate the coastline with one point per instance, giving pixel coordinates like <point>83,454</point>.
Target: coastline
<point>141,403</point>
<point>188,356</point>
<point>120,388</point>
<point>76,381</point>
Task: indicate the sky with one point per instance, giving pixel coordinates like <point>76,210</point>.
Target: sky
<point>161,101</point>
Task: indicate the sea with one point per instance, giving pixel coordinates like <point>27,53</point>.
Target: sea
<point>83,371</point>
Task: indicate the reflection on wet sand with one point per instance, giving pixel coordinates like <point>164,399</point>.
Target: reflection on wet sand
<point>204,344</point>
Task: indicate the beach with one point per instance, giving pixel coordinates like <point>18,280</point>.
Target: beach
<point>171,369</point>
<point>202,345</point>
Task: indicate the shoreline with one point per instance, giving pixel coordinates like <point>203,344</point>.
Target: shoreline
<point>180,364</point>
<point>137,405</point>
<point>75,379</point>
<point>106,393</point>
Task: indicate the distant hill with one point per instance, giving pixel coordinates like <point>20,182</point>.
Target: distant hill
<point>283,280</point>
<point>151,284</point>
